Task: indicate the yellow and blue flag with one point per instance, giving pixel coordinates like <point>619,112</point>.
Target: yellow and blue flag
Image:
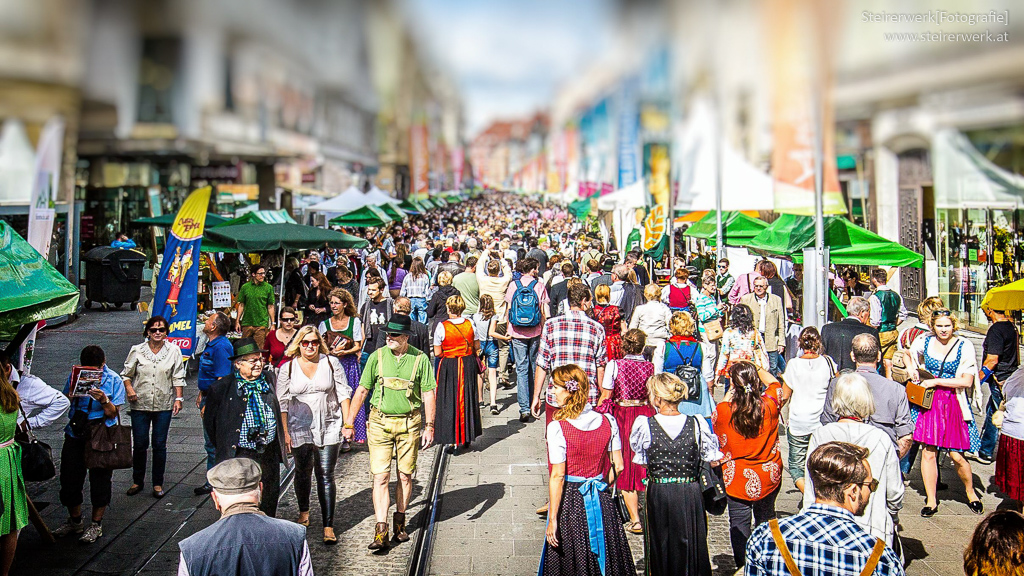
<point>177,287</point>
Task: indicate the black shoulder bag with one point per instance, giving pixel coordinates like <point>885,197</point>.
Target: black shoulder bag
<point>36,456</point>
<point>711,486</point>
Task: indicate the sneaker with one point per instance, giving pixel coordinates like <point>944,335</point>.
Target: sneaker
<point>91,533</point>
<point>986,460</point>
<point>494,409</point>
<point>69,528</point>
<point>524,416</point>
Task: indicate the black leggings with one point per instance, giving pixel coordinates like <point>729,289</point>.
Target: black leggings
<point>320,462</point>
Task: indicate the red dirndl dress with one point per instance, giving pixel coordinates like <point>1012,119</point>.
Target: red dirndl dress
<point>611,320</point>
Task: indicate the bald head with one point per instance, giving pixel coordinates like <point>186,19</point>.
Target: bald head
<point>864,349</point>
<point>402,305</point>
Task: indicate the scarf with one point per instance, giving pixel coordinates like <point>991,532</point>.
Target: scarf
<point>259,425</point>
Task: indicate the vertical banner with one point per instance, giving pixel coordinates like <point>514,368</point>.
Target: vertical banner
<point>797,81</point>
<point>629,129</point>
<point>458,165</point>
<point>177,287</point>
<point>45,182</point>
<point>419,160</point>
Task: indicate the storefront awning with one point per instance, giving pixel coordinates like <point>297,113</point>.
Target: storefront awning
<point>847,242</point>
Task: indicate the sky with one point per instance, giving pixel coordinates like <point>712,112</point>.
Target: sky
<point>509,57</point>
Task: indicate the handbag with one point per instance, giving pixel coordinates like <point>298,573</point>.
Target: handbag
<point>711,486</point>
<point>713,330</point>
<point>36,456</point>
<point>108,447</point>
<point>919,395</point>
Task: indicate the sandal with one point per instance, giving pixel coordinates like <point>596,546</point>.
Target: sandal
<point>303,522</point>
<point>635,528</point>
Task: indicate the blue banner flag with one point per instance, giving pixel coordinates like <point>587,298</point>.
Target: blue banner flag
<point>177,287</point>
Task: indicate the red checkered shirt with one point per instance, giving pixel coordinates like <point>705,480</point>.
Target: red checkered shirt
<point>573,339</point>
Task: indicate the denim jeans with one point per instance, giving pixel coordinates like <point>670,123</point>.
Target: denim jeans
<point>141,422</point>
<point>989,433</point>
<point>776,364</point>
<point>524,350</point>
<point>211,450</point>
<point>490,353</point>
<point>419,310</point>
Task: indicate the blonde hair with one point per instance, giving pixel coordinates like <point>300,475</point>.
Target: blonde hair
<point>455,304</point>
<point>927,306</point>
<point>293,347</point>
<point>444,278</point>
<point>652,292</point>
<point>577,400</point>
<point>602,294</point>
<point>933,318</point>
<point>668,387</point>
<point>681,324</point>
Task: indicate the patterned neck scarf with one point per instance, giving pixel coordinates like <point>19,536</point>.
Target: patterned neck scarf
<point>259,426</point>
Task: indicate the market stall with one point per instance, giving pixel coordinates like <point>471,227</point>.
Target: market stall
<point>366,217</point>
<point>737,228</point>
<point>847,242</point>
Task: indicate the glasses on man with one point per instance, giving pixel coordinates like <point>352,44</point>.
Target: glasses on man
<point>872,485</point>
<point>723,266</point>
<point>309,343</point>
<point>158,330</point>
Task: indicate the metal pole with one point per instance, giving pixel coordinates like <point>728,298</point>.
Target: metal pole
<point>280,296</point>
<point>719,233</point>
<point>820,264</point>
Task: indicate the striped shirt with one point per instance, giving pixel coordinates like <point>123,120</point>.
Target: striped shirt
<point>415,287</point>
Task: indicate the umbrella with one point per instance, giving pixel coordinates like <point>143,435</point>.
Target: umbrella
<point>30,288</point>
<point>167,220</point>
<point>366,217</point>
<point>1008,297</point>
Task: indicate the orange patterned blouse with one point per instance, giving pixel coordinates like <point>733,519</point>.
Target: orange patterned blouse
<point>752,467</point>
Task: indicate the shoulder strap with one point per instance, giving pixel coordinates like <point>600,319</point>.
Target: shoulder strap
<point>787,556</point>
<point>876,555</point>
<point>694,353</point>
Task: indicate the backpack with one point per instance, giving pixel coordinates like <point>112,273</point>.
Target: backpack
<point>691,375</point>
<point>524,311</point>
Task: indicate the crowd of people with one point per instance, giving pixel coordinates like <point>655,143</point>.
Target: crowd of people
<point>403,344</point>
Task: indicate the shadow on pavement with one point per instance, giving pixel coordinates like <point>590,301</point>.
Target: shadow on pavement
<point>458,502</point>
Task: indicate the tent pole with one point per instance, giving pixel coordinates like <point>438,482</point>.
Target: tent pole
<point>820,262</point>
<point>719,235</point>
<point>284,258</point>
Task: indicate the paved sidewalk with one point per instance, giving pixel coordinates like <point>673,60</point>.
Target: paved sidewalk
<point>140,533</point>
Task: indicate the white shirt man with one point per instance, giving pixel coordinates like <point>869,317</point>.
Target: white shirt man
<point>43,403</point>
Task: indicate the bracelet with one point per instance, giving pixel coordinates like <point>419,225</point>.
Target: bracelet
<point>179,399</point>
<point>429,424</point>
<point>348,427</point>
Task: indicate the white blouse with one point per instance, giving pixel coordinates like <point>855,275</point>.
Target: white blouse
<point>439,330</point>
<point>640,436</point>
<point>315,414</point>
<point>586,421</point>
<point>154,376</point>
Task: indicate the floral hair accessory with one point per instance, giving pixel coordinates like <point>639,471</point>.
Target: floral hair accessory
<point>572,385</point>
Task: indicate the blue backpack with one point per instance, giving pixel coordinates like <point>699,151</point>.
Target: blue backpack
<point>524,311</point>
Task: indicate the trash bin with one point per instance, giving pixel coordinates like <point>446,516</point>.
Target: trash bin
<point>113,275</point>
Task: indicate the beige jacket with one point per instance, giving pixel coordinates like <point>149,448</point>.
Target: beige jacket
<point>494,286</point>
<point>774,321</point>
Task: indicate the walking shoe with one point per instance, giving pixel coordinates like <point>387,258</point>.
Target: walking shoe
<point>204,489</point>
<point>346,446</point>
<point>93,532</point>
<point>399,524</point>
<point>380,537</point>
<point>68,528</point>
<point>494,409</point>
<point>986,460</point>
<point>524,416</point>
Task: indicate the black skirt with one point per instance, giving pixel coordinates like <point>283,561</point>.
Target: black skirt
<point>458,411</point>
<point>573,556</point>
<point>676,535</point>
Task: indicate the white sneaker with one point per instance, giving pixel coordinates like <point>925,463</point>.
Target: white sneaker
<point>68,528</point>
<point>93,532</point>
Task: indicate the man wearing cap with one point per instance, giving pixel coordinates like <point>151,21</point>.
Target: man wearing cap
<point>399,380</point>
<point>244,541</point>
<point>241,418</point>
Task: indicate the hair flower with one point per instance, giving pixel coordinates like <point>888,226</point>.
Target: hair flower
<point>572,385</point>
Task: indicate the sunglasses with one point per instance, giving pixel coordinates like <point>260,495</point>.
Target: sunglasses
<point>309,343</point>
<point>942,312</point>
<point>157,330</point>
<point>289,319</point>
<point>872,485</point>
<point>723,265</point>
<point>254,361</point>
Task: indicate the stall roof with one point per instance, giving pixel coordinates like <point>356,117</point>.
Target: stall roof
<point>847,242</point>
<point>393,210</point>
<point>167,220</point>
<point>261,217</point>
<point>30,288</point>
<point>412,207</point>
<point>365,217</point>
<point>285,236</point>
<point>737,228</point>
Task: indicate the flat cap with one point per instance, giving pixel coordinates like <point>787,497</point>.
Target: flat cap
<point>235,476</point>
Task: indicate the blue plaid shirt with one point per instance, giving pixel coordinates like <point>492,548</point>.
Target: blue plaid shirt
<point>824,541</point>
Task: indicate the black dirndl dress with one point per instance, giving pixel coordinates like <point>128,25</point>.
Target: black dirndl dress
<point>676,534</point>
<point>458,419</point>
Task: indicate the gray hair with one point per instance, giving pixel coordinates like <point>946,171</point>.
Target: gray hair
<point>857,306</point>
<point>852,396</point>
<point>865,349</point>
<point>221,323</point>
<point>621,271</point>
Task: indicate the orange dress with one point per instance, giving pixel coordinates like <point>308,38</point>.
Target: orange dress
<point>752,467</point>
<point>458,414</point>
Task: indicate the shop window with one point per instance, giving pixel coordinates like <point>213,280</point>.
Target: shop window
<point>158,79</point>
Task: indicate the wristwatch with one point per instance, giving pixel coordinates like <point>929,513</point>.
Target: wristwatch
<point>179,399</point>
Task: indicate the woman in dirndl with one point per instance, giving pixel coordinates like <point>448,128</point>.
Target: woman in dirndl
<point>343,335</point>
<point>1010,455</point>
<point>624,396</point>
<point>458,409</point>
<point>14,515</point>
<point>944,426</point>
<point>672,445</point>
<point>610,318</point>
<point>584,451</point>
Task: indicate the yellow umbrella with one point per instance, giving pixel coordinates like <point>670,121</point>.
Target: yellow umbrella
<point>1008,297</point>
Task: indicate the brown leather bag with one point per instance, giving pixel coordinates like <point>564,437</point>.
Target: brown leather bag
<point>919,395</point>
<point>109,447</point>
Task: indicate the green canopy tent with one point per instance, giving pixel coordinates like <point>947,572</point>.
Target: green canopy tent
<point>412,207</point>
<point>393,210</point>
<point>368,216</point>
<point>167,220</point>
<point>426,203</point>
<point>258,217</point>
<point>580,209</point>
<point>847,242</point>
<point>737,228</point>
<point>286,237</point>
<point>30,288</point>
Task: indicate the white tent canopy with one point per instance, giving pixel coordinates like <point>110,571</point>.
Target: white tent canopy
<point>623,204</point>
<point>744,187</point>
<point>378,196</point>
<point>963,175</point>
<point>343,203</point>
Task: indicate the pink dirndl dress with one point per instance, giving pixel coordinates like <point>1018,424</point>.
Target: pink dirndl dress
<point>631,377</point>
<point>943,425</point>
